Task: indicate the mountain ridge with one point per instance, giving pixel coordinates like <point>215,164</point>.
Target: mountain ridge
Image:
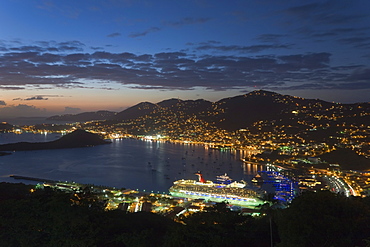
<point>240,111</point>
<point>75,139</point>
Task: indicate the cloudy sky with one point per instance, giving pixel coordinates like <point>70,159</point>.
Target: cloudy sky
<point>71,56</point>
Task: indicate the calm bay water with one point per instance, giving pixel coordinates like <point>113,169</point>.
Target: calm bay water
<point>127,163</point>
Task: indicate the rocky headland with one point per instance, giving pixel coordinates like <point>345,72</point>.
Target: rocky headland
<point>76,139</point>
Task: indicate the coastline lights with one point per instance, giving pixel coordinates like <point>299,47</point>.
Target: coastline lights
<point>155,137</point>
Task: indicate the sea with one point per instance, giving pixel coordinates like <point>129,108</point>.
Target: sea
<point>144,165</point>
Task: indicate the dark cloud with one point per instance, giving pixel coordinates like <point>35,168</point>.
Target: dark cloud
<point>22,110</point>
<point>112,35</point>
<point>96,48</point>
<point>304,11</point>
<point>358,42</point>
<point>39,68</point>
<point>331,19</point>
<point>326,86</point>
<point>139,34</point>
<point>2,102</point>
<point>11,88</point>
<point>327,22</point>
<point>269,38</point>
<point>341,32</point>
<point>36,98</point>
<point>210,42</point>
<point>47,46</point>
<point>351,30</point>
<point>69,48</point>
<point>353,86</point>
<point>242,49</point>
<point>360,74</point>
<point>187,21</point>
<point>28,49</point>
<point>67,10</point>
<point>170,55</point>
<point>307,61</point>
<point>305,86</point>
<point>161,88</point>
<point>329,12</point>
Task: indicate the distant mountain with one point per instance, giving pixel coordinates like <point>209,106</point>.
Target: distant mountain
<point>83,117</point>
<point>165,108</point>
<point>5,126</point>
<point>136,111</point>
<point>241,111</point>
<point>186,106</point>
<point>234,113</point>
<point>244,110</point>
<point>78,138</point>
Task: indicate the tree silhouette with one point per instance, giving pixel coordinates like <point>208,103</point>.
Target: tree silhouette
<point>324,219</point>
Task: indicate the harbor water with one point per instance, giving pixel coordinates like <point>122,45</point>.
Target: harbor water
<point>125,163</point>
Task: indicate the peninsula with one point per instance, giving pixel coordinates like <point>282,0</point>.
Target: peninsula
<point>75,139</point>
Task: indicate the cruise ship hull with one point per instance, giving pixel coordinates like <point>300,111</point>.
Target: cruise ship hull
<point>233,193</point>
<point>233,200</point>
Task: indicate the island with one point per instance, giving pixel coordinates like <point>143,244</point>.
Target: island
<point>4,153</point>
<point>76,139</point>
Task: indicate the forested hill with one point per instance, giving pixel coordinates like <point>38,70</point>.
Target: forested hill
<point>348,159</point>
<point>78,138</point>
<point>243,111</point>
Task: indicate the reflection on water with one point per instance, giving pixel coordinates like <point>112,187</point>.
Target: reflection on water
<point>129,163</point>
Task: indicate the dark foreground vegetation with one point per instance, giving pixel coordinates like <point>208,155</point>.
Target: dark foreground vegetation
<point>54,218</point>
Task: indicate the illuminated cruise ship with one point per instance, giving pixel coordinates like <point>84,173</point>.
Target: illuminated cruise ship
<point>223,189</point>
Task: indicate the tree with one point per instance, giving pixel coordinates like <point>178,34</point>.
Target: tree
<point>324,219</point>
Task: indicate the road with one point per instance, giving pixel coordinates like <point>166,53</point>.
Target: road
<point>338,185</point>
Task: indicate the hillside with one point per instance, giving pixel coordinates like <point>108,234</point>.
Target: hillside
<point>5,126</point>
<point>136,111</point>
<point>252,110</point>
<point>347,159</point>
<point>245,111</point>
<point>78,138</point>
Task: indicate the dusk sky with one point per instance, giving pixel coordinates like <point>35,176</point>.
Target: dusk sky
<point>71,56</point>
